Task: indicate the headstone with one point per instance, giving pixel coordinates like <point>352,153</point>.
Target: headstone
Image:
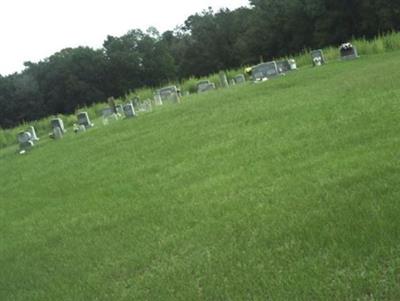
<point>32,131</point>
<point>157,100</point>
<point>233,82</point>
<point>79,128</point>
<point>129,110</point>
<point>292,63</point>
<point>170,93</point>
<point>57,133</point>
<point>283,66</point>
<point>204,86</point>
<point>265,71</point>
<point>318,57</point>
<point>109,115</point>
<point>145,106</point>
<point>119,109</point>
<point>25,141</point>
<point>240,79</point>
<point>111,103</point>
<point>58,123</point>
<point>348,51</point>
<point>223,79</point>
<point>83,119</point>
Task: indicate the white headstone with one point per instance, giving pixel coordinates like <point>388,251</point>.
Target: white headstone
<point>32,131</point>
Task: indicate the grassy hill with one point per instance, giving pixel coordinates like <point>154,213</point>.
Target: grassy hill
<point>285,190</point>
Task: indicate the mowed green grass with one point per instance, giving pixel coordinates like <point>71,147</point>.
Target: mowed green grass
<point>285,190</point>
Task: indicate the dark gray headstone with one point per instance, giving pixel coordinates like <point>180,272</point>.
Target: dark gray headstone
<point>283,66</point>
<point>318,57</point>
<point>129,110</point>
<point>58,123</point>
<point>348,51</point>
<point>83,119</point>
<point>265,71</point>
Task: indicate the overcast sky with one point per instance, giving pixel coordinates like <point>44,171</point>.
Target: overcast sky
<point>31,30</point>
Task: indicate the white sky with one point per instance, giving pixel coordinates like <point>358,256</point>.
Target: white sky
<point>31,30</point>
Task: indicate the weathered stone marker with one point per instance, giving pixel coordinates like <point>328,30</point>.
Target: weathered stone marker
<point>32,131</point>
<point>120,109</point>
<point>204,86</point>
<point>265,71</point>
<point>223,79</point>
<point>318,57</point>
<point>58,123</point>
<point>292,63</point>
<point>83,119</point>
<point>240,79</point>
<point>129,110</point>
<point>157,100</point>
<point>348,51</point>
<point>57,133</point>
<point>25,141</point>
<point>171,94</point>
<point>109,115</point>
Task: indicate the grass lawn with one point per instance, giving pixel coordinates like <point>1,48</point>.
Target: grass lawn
<point>284,190</point>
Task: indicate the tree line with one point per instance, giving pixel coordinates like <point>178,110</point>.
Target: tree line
<point>206,43</point>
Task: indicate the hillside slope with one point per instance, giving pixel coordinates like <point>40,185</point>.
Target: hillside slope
<point>285,190</point>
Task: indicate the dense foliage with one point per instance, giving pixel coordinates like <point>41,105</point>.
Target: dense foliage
<point>207,42</point>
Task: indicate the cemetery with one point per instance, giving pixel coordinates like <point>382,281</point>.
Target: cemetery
<point>219,197</point>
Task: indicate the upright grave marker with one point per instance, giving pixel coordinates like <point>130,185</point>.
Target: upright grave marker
<point>348,51</point>
<point>223,79</point>
<point>83,119</point>
<point>204,86</point>
<point>109,115</point>
<point>265,71</point>
<point>318,57</point>
<point>25,141</point>
<point>129,110</point>
<point>170,93</point>
<point>157,99</point>
<point>32,131</point>
<point>58,123</point>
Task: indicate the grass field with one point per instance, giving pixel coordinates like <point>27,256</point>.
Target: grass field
<point>285,190</point>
